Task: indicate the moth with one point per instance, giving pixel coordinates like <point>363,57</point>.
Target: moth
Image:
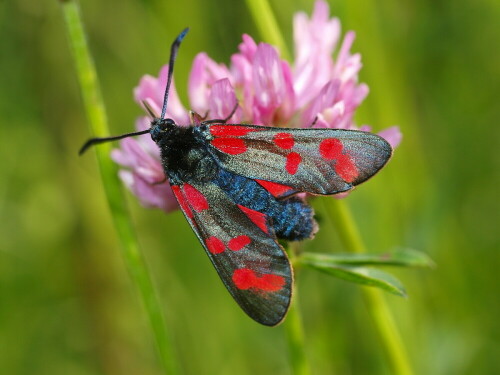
<point>237,186</point>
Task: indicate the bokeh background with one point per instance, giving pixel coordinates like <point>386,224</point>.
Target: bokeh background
<point>67,305</point>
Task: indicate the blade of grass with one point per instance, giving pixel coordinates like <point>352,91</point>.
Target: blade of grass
<point>96,114</point>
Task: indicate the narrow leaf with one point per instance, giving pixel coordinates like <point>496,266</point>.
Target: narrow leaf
<point>403,257</point>
<point>359,275</point>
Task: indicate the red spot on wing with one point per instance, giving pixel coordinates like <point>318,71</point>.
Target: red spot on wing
<point>346,168</point>
<point>238,243</point>
<point>257,218</point>
<point>196,199</point>
<point>245,278</point>
<point>215,245</point>
<point>182,201</point>
<point>232,146</point>
<point>270,282</point>
<point>284,140</point>
<point>330,148</point>
<point>293,159</point>
<point>230,130</point>
<point>274,188</point>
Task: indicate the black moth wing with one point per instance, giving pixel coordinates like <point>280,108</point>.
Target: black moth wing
<point>242,247</point>
<point>318,161</point>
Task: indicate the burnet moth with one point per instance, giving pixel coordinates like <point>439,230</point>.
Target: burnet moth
<point>236,185</point>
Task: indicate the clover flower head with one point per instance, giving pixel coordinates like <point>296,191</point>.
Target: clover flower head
<point>315,91</point>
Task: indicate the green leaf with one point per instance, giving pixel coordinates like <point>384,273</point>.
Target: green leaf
<point>403,257</point>
<point>359,275</point>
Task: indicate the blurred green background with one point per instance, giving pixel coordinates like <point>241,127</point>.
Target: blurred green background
<point>67,305</point>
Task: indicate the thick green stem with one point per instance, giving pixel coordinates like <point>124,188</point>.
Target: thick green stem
<point>96,114</point>
<point>349,234</point>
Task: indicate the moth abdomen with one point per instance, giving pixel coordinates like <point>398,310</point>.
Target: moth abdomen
<point>292,219</point>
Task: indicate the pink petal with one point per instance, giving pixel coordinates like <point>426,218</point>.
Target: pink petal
<point>335,114</point>
<point>315,41</point>
<point>392,135</point>
<point>148,89</point>
<point>272,82</point>
<point>326,98</point>
<point>285,112</point>
<point>150,195</point>
<point>267,76</point>
<point>133,156</point>
<point>222,101</point>
<point>347,66</point>
<point>198,86</point>
<point>241,70</point>
<point>351,68</point>
<point>152,89</point>
<point>365,128</point>
<point>248,48</point>
<point>204,73</point>
<point>342,195</point>
<point>143,123</point>
<point>320,123</point>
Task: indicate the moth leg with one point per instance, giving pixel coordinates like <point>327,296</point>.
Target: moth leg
<point>196,118</point>
<point>222,121</point>
<point>313,122</point>
<point>149,110</point>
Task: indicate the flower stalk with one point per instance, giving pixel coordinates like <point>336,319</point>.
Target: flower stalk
<point>96,114</point>
<point>295,338</point>
<point>294,330</point>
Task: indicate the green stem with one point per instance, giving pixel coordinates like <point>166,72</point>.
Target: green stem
<point>295,332</point>
<point>263,17</point>
<point>295,339</point>
<point>96,114</point>
<point>349,234</point>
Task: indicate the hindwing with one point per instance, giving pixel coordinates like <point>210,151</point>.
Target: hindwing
<point>243,248</point>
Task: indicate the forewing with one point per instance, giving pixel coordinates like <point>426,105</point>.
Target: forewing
<point>318,161</point>
<point>243,249</point>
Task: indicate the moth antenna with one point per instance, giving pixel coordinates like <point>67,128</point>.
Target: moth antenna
<point>149,109</point>
<point>95,141</point>
<point>173,55</point>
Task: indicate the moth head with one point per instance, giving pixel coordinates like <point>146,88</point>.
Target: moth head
<point>160,127</point>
